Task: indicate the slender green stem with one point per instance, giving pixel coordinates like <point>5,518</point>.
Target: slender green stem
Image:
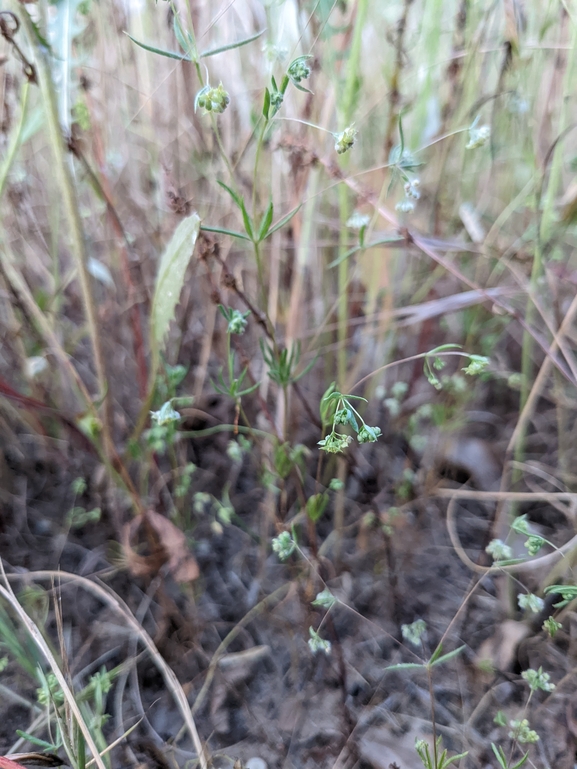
<point>221,148</point>
<point>260,274</point>
<point>433,718</point>
<point>259,144</point>
<point>70,203</point>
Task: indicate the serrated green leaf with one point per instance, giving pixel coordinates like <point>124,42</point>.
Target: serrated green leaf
<point>266,222</point>
<point>230,46</point>
<point>159,51</point>
<point>169,282</point>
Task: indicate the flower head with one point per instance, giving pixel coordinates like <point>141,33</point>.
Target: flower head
<point>345,140</point>
<point>212,99</point>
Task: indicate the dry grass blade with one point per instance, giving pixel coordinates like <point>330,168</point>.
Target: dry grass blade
<point>115,603</point>
<point>8,594</point>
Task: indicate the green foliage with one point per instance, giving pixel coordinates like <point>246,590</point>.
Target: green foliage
<point>316,506</point>
<point>439,759</point>
<point>502,758</point>
<point>282,364</point>
<point>568,593</point>
<point>344,414</point>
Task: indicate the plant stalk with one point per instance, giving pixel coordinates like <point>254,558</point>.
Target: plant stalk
<point>70,203</point>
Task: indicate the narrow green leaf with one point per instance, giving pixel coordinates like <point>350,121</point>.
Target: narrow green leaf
<point>36,740</point>
<point>301,88</point>
<point>159,51</point>
<point>352,420</point>
<point>285,220</point>
<point>179,33</point>
<point>436,654</point>
<point>499,755</point>
<point>184,37</point>
<point>345,256</point>
<point>458,757</point>
<point>406,666</point>
<point>444,348</point>
<point>246,220</point>
<point>383,242</point>
<point>266,104</point>
<point>230,46</point>
<point>223,231</point>
<point>234,195</point>
<point>169,282</point>
<point>446,657</point>
<point>306,370</point>
<point>520,762</point>
<point>266,222</point>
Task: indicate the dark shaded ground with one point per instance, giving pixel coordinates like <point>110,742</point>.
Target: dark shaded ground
<point>270,697</point>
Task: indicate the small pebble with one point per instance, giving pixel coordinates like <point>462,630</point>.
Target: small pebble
<point>256,763</point>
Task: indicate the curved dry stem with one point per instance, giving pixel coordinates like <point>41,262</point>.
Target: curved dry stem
<point>8,594</point>
<point>514,568</point>
<point>108,597</point>
<point>248,617</point>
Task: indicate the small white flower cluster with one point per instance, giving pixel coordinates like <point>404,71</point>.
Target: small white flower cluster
<point>412,193</point>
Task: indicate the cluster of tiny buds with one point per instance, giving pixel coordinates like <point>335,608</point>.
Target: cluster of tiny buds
<point>345,140</point>
<point>406,206</point>
<point>412,189</point>
<point>478,137</point>
<point>213,99</point>
<point>299,69</point>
